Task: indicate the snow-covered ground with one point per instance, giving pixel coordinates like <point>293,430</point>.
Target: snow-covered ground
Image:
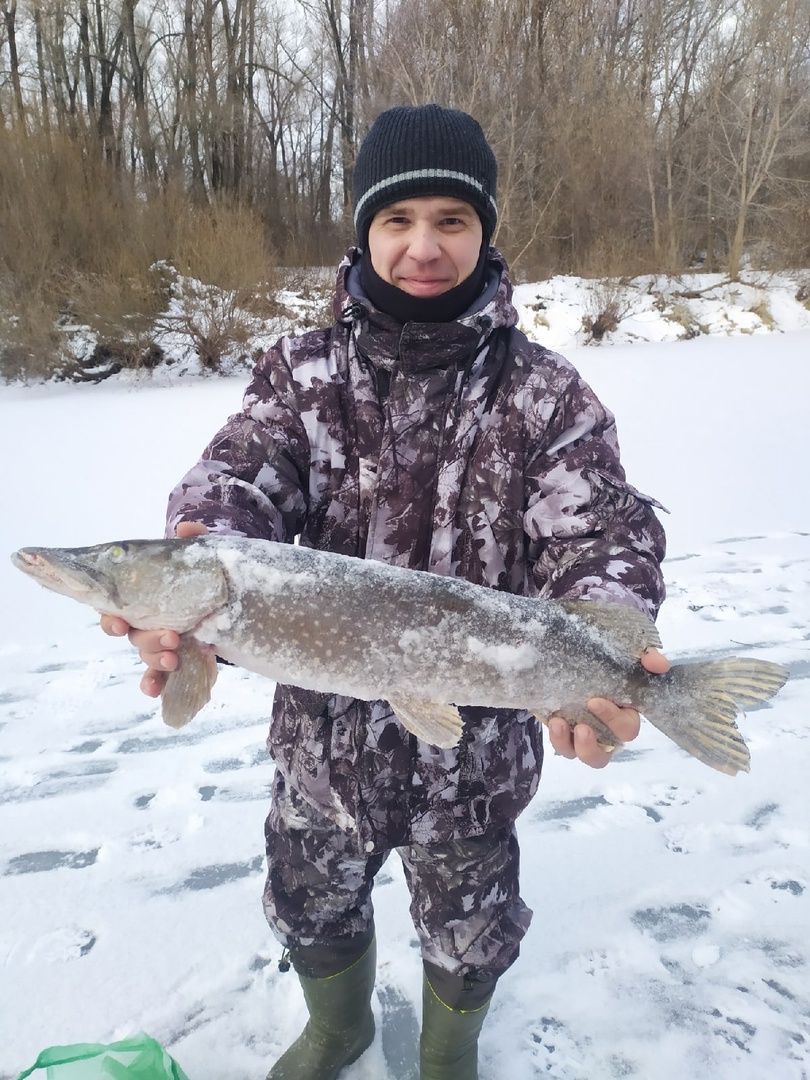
<point>671,936</point>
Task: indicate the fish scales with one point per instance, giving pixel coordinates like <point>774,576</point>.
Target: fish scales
<point>369,630</point>
<point>425,643</point>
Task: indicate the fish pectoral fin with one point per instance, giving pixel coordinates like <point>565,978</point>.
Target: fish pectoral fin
<point>577,714</point>
<point>433,722</point>
<point>188,688</point>
<point>625,628</point>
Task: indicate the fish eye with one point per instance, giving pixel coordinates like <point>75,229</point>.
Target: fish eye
<point>117,552</point>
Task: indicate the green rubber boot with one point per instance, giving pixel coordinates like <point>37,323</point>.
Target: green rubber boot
<point>453,1012</point>
<point>341,1024</point>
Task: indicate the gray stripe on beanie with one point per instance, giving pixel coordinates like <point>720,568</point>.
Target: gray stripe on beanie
<point>423,174</point>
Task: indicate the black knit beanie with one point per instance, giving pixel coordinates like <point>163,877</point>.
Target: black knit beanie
<point>424,150</point>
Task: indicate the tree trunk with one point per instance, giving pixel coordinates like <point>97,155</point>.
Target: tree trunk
<point>190,103</point>
<point>10,13</point>
<point>138,81</point>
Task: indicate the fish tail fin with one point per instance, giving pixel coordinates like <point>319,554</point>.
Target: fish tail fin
<point>696,705</point>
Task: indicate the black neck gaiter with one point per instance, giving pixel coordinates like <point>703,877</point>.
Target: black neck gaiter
<point>425,309</point>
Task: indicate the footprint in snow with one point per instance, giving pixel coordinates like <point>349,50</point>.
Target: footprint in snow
<point>673,922</point>
<point>65,780</point>
<point>400,1033</point>
<point>58,946</point>
<point>779,887</point>
<point>557,1053</point>
<point>40,862</point>
<point>251,759</point>
<point>248,793</point>
<point>212,877</point>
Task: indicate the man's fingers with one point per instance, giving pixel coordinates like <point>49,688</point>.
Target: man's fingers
<point>160,661</point>
<point>655,662</point>
<point>114,625</point>
<point>561,737</point>
<point>583,742</point>
<point>587,748</point>
<point>152,683</point>
<point>580,743</point>
<point>185,529</point>
<point>156,648</point>
<point>625,723</point>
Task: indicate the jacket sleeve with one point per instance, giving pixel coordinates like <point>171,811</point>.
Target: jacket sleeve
<point>591,534</point>
<point>252,478</point>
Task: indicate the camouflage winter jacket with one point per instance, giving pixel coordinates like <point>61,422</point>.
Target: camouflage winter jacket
<point>459,448</point>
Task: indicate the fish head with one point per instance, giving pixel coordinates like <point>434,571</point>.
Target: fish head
<point>153,584</point>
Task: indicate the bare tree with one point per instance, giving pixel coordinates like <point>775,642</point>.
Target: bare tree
<point>757,114</point>
<point>630,133</point>
<point>10,19</point>
<point>137,54</point>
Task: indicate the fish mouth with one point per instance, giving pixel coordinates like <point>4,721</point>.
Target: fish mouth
<point>61,574</point>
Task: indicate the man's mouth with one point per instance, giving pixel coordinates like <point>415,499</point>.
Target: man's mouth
<point>424,286</point>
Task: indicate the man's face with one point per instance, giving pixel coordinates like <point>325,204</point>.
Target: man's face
<point>425,246</point>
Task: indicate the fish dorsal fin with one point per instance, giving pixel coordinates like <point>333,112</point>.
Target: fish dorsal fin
<point>433,722</point>
<point>626,630</point>
<point>188,688</point>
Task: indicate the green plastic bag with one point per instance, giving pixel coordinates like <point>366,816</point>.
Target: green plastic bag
<point>137,1058</point>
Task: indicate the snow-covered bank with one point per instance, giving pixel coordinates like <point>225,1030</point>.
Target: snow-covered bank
<point>657,308</point>
<point>563,312</point>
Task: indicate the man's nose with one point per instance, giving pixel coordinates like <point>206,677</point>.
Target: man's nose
<point>424,243</point>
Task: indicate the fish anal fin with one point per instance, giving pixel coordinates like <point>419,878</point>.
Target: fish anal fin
<point>625,629</point>
<point>189,686</point>
<point>578,714</point>
<point>433,722</point>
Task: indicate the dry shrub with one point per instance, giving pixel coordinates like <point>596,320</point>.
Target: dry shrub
<point>762,310</point>
<point>110,357</point>
<point>222,245</point>
<point>28,337</point>
<point>617,256</point>
<point>609,302</point>
<point>315,285</point>
<point>682,314</point>
<point>78,240</point>
<point>792,233</point>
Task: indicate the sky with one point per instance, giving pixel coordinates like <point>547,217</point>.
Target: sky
<point>671,931</point>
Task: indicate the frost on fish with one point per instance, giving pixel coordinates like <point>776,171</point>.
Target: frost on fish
<point>427,644</point>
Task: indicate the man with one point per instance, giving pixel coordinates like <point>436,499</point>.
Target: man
<point>421,429</point>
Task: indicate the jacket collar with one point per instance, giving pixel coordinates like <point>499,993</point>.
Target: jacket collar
<point>422,346</point>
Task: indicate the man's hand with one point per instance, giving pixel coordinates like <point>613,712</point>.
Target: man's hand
<point>624,722</point>
<point>157,648</point>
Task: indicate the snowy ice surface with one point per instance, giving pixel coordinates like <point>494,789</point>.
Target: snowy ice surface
<point>671,936</point>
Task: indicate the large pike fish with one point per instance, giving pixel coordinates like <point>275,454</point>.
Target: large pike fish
<point>422,642</point>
